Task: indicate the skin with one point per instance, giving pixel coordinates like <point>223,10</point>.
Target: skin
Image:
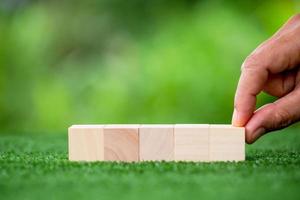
<point>274,68</point>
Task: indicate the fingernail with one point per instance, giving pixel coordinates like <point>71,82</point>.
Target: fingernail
<point>235,118</point>
<point>256,134</point>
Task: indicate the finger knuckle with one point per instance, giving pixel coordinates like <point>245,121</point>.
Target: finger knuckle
<point>250,62</point>
<point>282,118</point>
<point>296,17</point>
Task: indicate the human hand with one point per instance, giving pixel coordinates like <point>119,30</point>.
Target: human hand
<point>273,67</point>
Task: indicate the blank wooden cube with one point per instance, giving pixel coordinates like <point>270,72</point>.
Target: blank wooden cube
<point>121,143</point>
<point>191,142</point>
<point>227,143</point>
<point>156,142</point>
<point>86,143</point>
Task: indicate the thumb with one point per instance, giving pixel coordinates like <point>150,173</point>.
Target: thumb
<point>274,116</point>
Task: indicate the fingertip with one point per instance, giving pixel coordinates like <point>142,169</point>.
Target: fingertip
<point>235,120</point>
<point>252,136</point>
<point>239,119</point>
<point>255,128</point>
<point>249,141</point>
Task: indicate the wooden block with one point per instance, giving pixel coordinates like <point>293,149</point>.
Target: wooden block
<point>156,142</point>
<point>121,143</point>
<point>191,142</point>
<point>227,143</point>
<point>86,143</point>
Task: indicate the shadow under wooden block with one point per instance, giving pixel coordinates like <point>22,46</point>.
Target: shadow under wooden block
<point>86,143</point>
<point>156,142</point>
<point>227,143</point>
<point>121,143</point>
<point>191,142</point>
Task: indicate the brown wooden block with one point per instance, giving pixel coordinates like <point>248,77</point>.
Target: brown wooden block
<point>121,143</point>
<point>86,143</point>
<point>191,142</point>
<point>227,143</point>
<point>156,142</point>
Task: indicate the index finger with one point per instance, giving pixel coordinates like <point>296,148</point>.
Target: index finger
<point>251,83</point>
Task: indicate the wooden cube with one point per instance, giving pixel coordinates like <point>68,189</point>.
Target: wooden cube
<point>86,143</point>
<point>191,142</point>
<point>121,143</point>
<point>156,142</point>
<point>227,143</point>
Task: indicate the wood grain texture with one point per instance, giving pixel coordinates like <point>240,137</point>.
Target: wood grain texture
<point>156,142</point>
<point>227,143</point>
<point>121,143</point>
<point>191,142</point>
<point>86,143</point>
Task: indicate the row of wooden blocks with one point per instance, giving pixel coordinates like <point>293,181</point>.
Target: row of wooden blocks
<point>156,143</point>
<point>133,143</point>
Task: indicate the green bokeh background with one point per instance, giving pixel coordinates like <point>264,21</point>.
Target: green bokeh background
<point>133,61</point>
<point>66,62</point>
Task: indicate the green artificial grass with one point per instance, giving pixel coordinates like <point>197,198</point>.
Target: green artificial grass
<point>36,167</point>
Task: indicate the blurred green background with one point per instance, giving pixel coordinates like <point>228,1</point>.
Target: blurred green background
<point>135,61</point>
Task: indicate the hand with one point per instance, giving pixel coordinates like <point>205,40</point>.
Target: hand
<point>273,67</point>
